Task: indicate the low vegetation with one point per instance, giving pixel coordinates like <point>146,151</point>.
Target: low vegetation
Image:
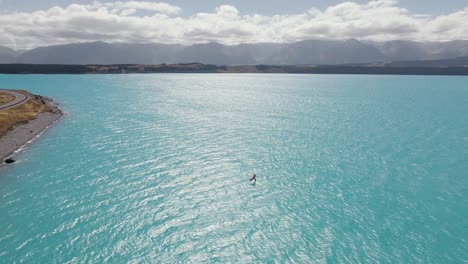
<point>5,98</point>
<point>403,68</point>
<point>22,113</point>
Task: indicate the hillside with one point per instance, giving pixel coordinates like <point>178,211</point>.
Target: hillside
<point>7,55</point>
<point>317,52</point>
<point>389,69</point>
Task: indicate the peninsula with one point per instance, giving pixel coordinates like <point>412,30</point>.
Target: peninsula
<point>22,117</point>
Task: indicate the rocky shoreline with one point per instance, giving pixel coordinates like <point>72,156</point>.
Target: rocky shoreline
<point>23,133</point>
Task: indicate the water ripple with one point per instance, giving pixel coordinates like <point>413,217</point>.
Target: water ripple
<point>155,168</point>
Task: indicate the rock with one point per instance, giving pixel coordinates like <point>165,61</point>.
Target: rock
<point>8,161</point>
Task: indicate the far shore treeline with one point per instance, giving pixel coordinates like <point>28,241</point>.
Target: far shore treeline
<point>399,68</point>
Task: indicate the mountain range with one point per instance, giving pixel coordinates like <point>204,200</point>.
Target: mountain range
<point>7,55</point>
<point>307,52</point>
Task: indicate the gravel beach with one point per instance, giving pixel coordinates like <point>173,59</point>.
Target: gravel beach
<point>23,133</point>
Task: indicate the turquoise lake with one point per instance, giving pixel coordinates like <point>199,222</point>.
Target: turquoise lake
<point>155,168</point>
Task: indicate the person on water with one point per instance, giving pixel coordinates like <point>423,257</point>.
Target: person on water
<point>254,178</point>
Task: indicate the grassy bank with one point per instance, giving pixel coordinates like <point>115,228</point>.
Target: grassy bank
<point>5,98</point>
<point>22,113</point>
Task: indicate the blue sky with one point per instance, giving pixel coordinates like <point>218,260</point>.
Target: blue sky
<point>31,23</point>
<point>434,7</point>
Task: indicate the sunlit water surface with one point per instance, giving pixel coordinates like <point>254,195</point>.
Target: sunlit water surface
<point>155,168</point>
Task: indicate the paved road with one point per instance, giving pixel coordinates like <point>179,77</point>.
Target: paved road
<point>20,98</point>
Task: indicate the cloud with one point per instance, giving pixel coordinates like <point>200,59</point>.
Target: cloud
<point>143,21</point>
<point>131,7</point>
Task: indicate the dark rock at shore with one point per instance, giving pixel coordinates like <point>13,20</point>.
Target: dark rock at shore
<point>8,161</point>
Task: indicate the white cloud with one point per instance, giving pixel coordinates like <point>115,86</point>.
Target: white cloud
<point>141,5</point>
<point>142,21</point>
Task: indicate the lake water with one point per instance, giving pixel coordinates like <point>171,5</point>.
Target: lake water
<point>155,168</point>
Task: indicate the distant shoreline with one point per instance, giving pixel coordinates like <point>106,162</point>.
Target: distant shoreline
<point>24,132</point>
<point>207,68</point>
